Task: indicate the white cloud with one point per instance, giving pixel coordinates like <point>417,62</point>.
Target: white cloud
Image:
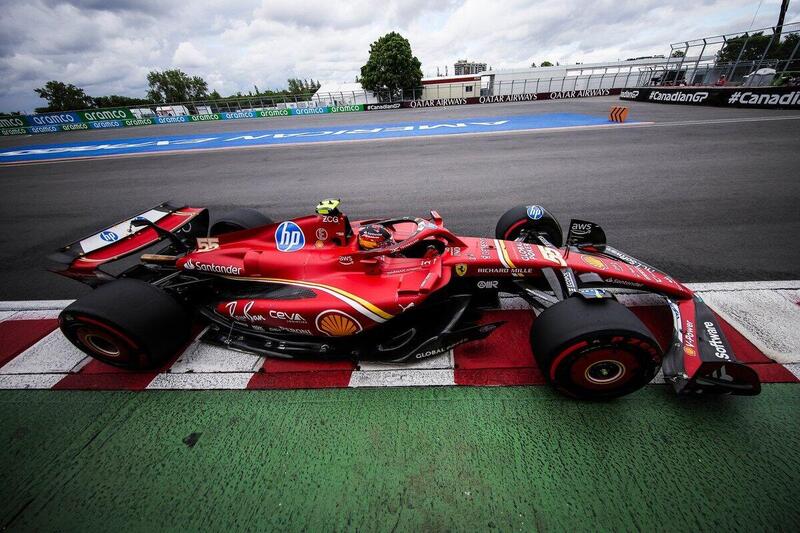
<point>108,46</point>
<point>188,56</point>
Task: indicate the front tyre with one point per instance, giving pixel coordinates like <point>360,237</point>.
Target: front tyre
<point>530,220</point>
<point>594,350</point>
<point>127,323</point>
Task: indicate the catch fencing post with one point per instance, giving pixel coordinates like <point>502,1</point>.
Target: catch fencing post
<point>766,50</point>
<point>680,65</point>
<point>739,56</point>
<point>697,63</point>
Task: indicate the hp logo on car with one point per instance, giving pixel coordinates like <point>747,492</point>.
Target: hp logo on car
<point>109,236</point>
<point>535,212</point>
<point>289,237</point>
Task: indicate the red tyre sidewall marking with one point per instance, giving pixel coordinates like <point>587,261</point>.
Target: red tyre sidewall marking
<point>104,330</point>
<point>562,356</point>
<point>512,228</point>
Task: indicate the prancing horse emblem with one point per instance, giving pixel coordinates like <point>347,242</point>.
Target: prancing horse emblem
<point>461,269</point>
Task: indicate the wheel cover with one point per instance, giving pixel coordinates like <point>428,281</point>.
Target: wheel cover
<point>605,372</point>
<point>603,367</point>
<point>99,342</point>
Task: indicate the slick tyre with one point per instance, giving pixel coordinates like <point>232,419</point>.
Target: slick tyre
<point>237,220</point>
<point>594,350</point>
<point>127,323</point>
<point>531,219</point>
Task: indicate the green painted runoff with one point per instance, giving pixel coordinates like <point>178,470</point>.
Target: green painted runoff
<point>421,459</point>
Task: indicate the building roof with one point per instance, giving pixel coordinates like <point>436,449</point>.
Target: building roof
<point>334,87</point>
<point>450,79</point>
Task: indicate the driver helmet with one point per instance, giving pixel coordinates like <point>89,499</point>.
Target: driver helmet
<point>374,236</point>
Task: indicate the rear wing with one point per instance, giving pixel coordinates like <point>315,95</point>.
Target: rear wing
<point>81,259</point>
<point>700,359</point>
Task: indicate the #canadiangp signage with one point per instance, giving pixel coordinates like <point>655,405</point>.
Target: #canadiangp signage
<point>756,97</point>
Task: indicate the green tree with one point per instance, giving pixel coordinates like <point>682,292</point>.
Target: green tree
<point>677,53</point>
<point>546,64</point>
<point>298,86</point>
<point>751,48</point>
<point>175,86</point>
<point>61,96</point>
<point>215,95</point>
<point>391,67</point>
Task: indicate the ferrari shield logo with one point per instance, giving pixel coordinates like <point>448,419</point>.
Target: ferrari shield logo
<point>461,269</point>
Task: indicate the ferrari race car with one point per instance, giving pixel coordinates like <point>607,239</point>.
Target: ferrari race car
<point>394,290</point>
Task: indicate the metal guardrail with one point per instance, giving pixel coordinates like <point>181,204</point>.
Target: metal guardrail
<point>706,67</point>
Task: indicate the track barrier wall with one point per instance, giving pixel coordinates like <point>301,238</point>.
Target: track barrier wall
<point>752,97</point>
<point>122,118</point>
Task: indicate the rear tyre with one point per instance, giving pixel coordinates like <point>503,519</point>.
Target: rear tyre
<point>127,323</point>
<point>594,349</point>
<point>530,218</point>
<point>237,220</point>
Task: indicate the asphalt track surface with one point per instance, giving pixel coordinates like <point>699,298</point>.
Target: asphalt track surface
<point>708,194</point>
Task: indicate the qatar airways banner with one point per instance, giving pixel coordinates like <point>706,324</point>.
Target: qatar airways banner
<point>504,98</point>
<point>755,97</point>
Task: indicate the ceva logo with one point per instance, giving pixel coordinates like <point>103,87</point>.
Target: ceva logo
<point>289,237</point>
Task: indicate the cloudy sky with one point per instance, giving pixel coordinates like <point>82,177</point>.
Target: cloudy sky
<point>108,46</point>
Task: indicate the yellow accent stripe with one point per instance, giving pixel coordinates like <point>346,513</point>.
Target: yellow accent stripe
<point>505,253</point>
<point>375,309</point>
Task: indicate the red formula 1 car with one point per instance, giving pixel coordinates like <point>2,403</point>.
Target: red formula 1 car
<point>401,289</point>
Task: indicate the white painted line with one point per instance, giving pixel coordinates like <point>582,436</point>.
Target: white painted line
<point>29,381</point>
<point>5,315</point>
<point>39,314</point>
<point>32,305</point>
<point>53,354</point>
<point>444,360</point>
<point>765,317</point>
<point>77,368</point>
<point>403,378</point>
<point>744,285</point>
<point>711,121</point>
<point>794,368</point>
<point>200,357</point>
<point>792,295</point>
<point>228,380</point>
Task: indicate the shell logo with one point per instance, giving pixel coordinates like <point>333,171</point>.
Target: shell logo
<point>690,351</point>
<point>593,262</point>
<point>337,324</point>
